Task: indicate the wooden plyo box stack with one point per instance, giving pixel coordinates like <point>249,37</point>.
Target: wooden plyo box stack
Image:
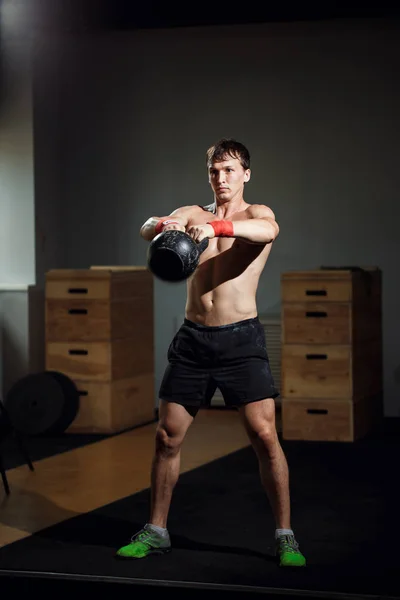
<point>331,370</point>
<point>99,332</point>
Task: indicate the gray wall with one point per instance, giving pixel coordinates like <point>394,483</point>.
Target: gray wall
<point>318,106</point>
<point>131,115</point>
<point>17,197</point>
<point>14,337</point>
<point>17,235</point>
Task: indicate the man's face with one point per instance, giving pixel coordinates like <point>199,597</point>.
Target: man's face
<point>227,179</point>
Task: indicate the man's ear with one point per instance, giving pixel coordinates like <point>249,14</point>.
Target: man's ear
<point>247,175</point>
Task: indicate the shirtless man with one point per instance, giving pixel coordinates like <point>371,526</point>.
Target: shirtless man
<point>220,344</point>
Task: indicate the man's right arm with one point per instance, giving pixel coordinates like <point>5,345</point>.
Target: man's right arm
<point>178,220</point>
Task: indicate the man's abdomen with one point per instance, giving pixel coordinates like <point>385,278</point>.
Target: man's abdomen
<point>228,303</point>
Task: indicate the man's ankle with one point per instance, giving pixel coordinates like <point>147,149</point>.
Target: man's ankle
<point>163,531</point>
<point>279,532</point>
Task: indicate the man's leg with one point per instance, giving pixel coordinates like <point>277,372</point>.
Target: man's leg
<point>173,424</point>
<point>174,421</point>
<point>259,421</point>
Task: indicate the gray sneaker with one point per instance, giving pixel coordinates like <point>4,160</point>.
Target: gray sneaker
<point>145,542</point>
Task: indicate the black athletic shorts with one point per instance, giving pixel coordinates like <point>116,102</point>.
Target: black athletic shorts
<point>231,357</point>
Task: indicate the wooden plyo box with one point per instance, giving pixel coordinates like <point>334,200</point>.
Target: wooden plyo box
<point>113,406</point>
<point>98,305</point>
<point>331,420</point>
<point>101,361</point>
<point>331,306</point>
<point>331,371</point>
<point>331,352</point>
<point>99,332</point>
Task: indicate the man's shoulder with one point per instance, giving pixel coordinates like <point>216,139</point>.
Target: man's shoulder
<point>196,208</point>
<point>186,209</point>
<point>208,207</point>
<point>260,211</point>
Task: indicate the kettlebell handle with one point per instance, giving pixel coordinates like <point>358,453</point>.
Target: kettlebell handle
<point>203,245</point>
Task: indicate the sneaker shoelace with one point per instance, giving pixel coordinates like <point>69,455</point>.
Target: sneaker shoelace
<point>287,543</point>
<point>144,538</point>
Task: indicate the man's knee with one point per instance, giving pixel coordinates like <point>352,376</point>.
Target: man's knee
<point>259,419</point>
<point>172,427</point>
<point>264,432</point>
<point>168,443</point>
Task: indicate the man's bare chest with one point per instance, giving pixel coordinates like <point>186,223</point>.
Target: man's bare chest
<point>228,255</point>
<point>202,217</point>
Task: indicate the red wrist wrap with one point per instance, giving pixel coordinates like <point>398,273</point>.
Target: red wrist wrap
<point>162,223</point>
<point>222,228</point>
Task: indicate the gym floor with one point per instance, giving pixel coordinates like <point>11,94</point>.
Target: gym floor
<point>85,478</point>
<point>61,523</point>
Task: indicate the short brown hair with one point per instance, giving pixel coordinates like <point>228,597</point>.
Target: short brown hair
<point>228,147</point>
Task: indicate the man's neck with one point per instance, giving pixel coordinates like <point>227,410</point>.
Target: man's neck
<point>227,209</point>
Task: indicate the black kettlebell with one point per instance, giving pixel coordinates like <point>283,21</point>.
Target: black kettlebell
<point>173,255</point>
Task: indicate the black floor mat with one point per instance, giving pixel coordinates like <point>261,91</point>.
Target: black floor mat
<point>344,513</point>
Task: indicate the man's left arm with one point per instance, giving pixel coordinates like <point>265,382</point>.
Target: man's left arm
<point>259,228</point>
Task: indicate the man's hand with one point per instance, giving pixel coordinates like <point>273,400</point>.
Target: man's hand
<point>200,232</point>
<point>174,226</point>
<point>150,227</point>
